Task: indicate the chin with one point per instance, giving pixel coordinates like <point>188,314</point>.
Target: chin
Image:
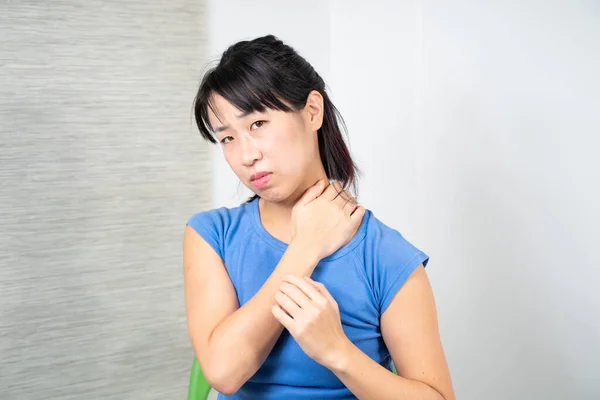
<point>274,195</point>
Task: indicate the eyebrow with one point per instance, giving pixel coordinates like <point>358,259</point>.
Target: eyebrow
<point>225,127</point>
<point>220,129</point>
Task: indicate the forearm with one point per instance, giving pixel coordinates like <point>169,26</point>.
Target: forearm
<point>242,342</point>
<point>368,380</point>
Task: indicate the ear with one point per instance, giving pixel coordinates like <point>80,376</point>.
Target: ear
<point>313,110</point>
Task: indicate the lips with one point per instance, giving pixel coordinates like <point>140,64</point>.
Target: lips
<point>260,179</point>
<point>258,175</point>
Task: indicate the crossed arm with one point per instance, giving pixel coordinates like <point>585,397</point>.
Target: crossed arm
<point>409,328</point>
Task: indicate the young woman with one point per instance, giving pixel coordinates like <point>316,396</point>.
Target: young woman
<point>300,293</point>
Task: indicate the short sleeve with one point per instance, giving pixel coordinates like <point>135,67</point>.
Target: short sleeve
<point>394,259</point>
<point>209,225</point>
<point>393,277</point>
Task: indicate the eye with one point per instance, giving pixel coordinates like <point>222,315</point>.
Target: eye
<point>257,125</point>
<point>226,139</point>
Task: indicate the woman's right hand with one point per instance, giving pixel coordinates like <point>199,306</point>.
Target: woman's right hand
<point>325,218</point>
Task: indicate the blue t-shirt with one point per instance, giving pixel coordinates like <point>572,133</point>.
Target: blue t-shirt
<point>362,276</point>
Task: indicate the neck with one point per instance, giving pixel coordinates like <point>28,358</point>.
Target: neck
<point>278,215</point>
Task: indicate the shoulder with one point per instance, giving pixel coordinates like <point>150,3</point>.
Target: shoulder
<point>220,218</point>
<point>388,245</point>
<point>388,259</point>
<point>218,226</point>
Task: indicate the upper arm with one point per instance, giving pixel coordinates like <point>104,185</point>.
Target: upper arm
<point>209,294</point>
<point>410,330</point>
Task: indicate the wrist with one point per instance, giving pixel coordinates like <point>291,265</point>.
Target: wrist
<point>340,358</point>
<point>306,249</point>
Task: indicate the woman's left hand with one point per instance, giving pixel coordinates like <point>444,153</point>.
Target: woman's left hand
<point>311,315</point>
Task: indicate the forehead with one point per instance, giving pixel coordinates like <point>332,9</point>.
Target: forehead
<point>222,111</point>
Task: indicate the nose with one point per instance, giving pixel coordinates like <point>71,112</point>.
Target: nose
<point>250,151</point>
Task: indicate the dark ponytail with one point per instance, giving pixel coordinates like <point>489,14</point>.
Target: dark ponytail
<point>266,73</point>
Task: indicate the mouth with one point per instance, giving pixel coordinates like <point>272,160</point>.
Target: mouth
<point>260,179</point>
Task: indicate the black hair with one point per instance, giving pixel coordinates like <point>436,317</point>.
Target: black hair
<point>266,73</point>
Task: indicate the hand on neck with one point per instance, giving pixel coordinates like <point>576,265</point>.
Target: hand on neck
<point>282,211</point>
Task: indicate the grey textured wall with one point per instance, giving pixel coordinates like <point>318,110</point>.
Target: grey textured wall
<point>100,166</point>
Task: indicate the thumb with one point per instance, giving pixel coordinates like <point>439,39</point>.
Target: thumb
<point>322,289</point>
<point>312,193</point>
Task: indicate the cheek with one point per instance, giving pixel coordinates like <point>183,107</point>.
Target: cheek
<point>291,151</point>
<point>289,158</point>
<point>234,161</point>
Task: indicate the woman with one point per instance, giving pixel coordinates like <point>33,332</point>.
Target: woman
<point>300,293</point>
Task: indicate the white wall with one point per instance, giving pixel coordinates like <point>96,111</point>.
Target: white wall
<point>476,127</point>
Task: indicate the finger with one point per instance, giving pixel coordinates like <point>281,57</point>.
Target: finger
<point>298,296</point>
<point>332,191</point>
<point>282,317</point>
<point>343,198</point>
<point>322,289</point>
<point>358,215</point>
<point>312,293</point>
<point>350,206</point>
<point>312,192</point>
<point>287,304</point>
<point>351,198</point>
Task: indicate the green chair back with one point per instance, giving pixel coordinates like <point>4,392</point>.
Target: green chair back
<point>198,388</point>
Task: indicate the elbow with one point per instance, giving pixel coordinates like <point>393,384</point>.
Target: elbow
<point>227,391</point>
<point>223,373</point>
<point>223,381</point>
<point>224,386</point>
